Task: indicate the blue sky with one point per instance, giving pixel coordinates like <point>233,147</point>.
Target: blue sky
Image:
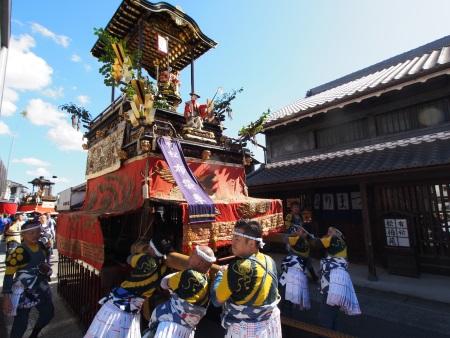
<point>276,50</point>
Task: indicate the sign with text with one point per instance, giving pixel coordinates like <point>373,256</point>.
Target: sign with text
<point>396,232</point>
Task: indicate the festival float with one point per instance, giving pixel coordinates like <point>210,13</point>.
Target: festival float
<point>40,200</point>
<point>151,169</point>
<point>8,207</point>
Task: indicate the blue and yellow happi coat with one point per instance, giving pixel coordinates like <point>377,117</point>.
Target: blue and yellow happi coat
<point>191,285</point>
<point>145,276</point>
<point>335,246</point>
<point>241,283</point>
<point>299,246</point>
<point>25,259</point>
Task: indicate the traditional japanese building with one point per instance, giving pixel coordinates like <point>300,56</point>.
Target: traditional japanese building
<point>15,191</point>
<point>370,153</point>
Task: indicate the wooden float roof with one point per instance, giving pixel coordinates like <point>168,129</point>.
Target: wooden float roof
<point>186,41</point>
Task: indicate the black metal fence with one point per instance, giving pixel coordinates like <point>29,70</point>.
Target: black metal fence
<point>80,287</point>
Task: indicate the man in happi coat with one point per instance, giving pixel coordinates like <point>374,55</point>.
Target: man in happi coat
<point>248,288</point>
<point>189,300</point>
<point>12,233</point>
<point>25,284</point>
<point>293,280</point>
<point>294,219</point>
<point>119,316</point>
<point>335,284</point>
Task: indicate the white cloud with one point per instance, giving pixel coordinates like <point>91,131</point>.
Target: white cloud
<point>25,70</point>
<point>31,161</point>
<point>9,102</point>
<point>40,171</point>
<point>4,129</point>
<point>75,58</point>
<point>65,137</point>
<point>55,93</point>
<point>87,67</point>
<point>83,99</point>
<point>42,113</point>
<point>44,31</point>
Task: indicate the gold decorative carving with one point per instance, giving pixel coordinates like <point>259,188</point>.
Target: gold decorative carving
<point>206,155</point>
<point>251,209</point>
<point>123,155</point>
<point>165,174</point>
<point>198,135</point>
<point>100,133</point>
<point>145,145</point>
<point>247,160</point>
<point>208,233</point>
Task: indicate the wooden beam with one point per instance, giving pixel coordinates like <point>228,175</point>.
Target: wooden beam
<point>179,261</point>
<point>367,232</point>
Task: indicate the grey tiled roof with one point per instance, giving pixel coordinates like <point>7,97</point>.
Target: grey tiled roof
<point>415,152</point>
<point>394,73</point>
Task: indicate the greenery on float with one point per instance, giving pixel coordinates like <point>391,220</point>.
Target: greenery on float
<point>222,105</point>
<point>249,132</point>
<point>106,70</point>
<point>149,87</point>
<point>78,114</point>
<point>108,56</point>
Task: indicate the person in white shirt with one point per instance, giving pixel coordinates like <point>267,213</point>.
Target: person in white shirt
<point>47,235</point>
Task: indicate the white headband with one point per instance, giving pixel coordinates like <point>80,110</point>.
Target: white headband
<point>258,239</point>
<point>204,256</point>
<point>338,232</point>
<point>157,252</point>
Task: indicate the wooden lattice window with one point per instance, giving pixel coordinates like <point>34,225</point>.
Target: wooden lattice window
<point>413,117</point>
<point>344,133</point>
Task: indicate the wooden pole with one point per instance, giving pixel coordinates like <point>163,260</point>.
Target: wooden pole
<point>192,77</point>
<point>192,71</point>
<point>179,261</point>
<point>367,232</point>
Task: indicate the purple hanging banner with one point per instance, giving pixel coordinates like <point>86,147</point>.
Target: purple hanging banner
<point>201,207</point>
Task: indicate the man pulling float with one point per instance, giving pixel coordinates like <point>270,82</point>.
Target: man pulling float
<point>119,316</point>
<point>189,300</point>
<point>248,288</point>
<point>336,286</point>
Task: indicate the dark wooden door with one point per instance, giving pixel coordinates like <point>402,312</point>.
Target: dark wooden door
<point>429,207</point>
